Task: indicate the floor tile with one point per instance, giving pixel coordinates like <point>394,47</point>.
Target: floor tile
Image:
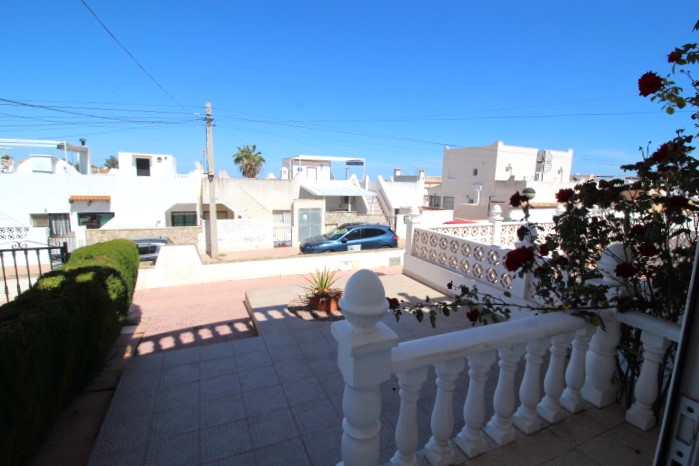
<point>258,378</point>
<point>264,400</point>
<point>287,453</point>
<point>316,415</point>
<point>174,421</point>
<point>273,427</point>
<point>222,410</point>
<point>175,450</point>
<point>303,391</point>
<point>225,440</point>
<point>217,387</point>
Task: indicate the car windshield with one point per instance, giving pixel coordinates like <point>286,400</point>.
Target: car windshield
<point>336,233</point>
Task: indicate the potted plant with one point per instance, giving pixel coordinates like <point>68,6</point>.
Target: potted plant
<point>320,292</point>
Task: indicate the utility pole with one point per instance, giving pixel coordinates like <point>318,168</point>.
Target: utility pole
<point>213,231</point>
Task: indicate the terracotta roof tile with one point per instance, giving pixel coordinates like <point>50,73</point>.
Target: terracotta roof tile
<point>88,197</point>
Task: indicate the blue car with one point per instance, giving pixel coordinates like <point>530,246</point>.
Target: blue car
<point>351,236</point>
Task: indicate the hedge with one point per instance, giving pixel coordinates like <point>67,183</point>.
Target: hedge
<point>56,336</point>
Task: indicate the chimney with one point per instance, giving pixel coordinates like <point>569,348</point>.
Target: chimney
<point>396,172</point>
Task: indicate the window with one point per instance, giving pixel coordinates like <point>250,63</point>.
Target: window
<point>434,201</point>
<point>451,174</point>
<point>142,167</point>
<point>448,203</point>
<point>475,172</point>
<point>94,220</point>
<point>184,219</point>
<point>372,232</point>
<point>59,224</point>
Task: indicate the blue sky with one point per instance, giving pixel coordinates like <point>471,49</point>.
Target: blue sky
<point>389,81</point>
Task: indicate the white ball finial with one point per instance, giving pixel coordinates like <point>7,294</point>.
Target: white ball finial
<point>364,301</point>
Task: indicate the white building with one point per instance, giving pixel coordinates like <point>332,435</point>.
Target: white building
<point>475,178</point>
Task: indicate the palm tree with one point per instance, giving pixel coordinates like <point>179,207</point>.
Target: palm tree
<point>249,161</point>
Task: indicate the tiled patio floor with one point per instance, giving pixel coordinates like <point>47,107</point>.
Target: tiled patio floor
<point>276,398</point>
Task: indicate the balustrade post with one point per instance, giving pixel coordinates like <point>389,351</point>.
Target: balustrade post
<point>571,399</point>
<point>471,439</point>
<point>646,390</point>
<point>550,406</point>
<point>437,451</point>
<point>364,359</point>
<point>526,417</point>
<point>406,430</point>
<point>499,428</point>
<point>600,364</point>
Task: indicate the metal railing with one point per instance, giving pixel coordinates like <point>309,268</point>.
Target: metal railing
<point>22,263</point>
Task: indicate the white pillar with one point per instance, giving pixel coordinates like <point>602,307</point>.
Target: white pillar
<point>364,359</point>
<point>600,364</point>
<point>526,417</point>
<point>471,439</point>
<point>437,451</point>
<point>500,428</point>
<point>646,390</point>
<point>571,399</point>
<point>406,430</point>
<point>550,406</point>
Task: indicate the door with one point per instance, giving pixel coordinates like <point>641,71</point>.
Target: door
<point>309,223</point>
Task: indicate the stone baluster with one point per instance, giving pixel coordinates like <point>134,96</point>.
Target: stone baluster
<point>600,364</point>
<point>571,399</point>
<point>364,359</point>
<point>500,428</point>
<point>526,417</point>
<point>646,390</point>
<point>437,451</point>
<point>471,439</point>
<point>406,429</point>
<point>550,407</point>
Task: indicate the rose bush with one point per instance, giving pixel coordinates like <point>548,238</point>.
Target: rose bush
<point>654,218</point>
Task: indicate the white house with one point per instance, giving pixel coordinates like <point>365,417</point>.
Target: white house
<point>475,178</point>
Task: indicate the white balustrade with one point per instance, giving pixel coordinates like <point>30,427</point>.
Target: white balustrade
<point>471,439</point>
<point>572,399</point>
<point>526,418</point>
<point>369,353</point>
<point>554,383</point>
<point>500,428</point>
<point>406,430</point>
<point>437,450</point>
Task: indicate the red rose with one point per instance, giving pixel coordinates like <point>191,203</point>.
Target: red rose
<point>625,270</point>
<point>544,249</point>
<point>517,199</point>
<point>647,249</point>
<point>564,195</point>
<point>677,202</point>
<point>674,56</point>
<point>473,315</point>
<point>518,257</point>
<point>649,83</point>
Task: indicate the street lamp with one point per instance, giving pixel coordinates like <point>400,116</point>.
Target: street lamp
<point>529,193</point>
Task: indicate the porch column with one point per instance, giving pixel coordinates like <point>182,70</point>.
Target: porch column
<point>364,359</point>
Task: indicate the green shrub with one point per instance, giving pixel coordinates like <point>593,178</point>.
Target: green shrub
<point>55,336</point>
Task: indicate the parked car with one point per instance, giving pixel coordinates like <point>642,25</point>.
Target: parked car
<point>351,236</point>
<point>148,248</point>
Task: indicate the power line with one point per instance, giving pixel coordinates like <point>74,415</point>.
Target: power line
<point>130,54</point>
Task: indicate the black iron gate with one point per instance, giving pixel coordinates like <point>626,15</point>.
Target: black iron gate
<point>23,263</point>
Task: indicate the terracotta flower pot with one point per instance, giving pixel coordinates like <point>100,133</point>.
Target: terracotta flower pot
<point>330,304</point>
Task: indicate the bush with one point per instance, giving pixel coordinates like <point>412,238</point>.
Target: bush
<point>55,336</point>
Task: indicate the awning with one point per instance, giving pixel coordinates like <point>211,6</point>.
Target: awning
<point>88,198</point>
<point>336,190</point>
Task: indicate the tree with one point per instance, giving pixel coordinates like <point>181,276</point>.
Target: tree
<point>249,161</point>
<point>111,162</point>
